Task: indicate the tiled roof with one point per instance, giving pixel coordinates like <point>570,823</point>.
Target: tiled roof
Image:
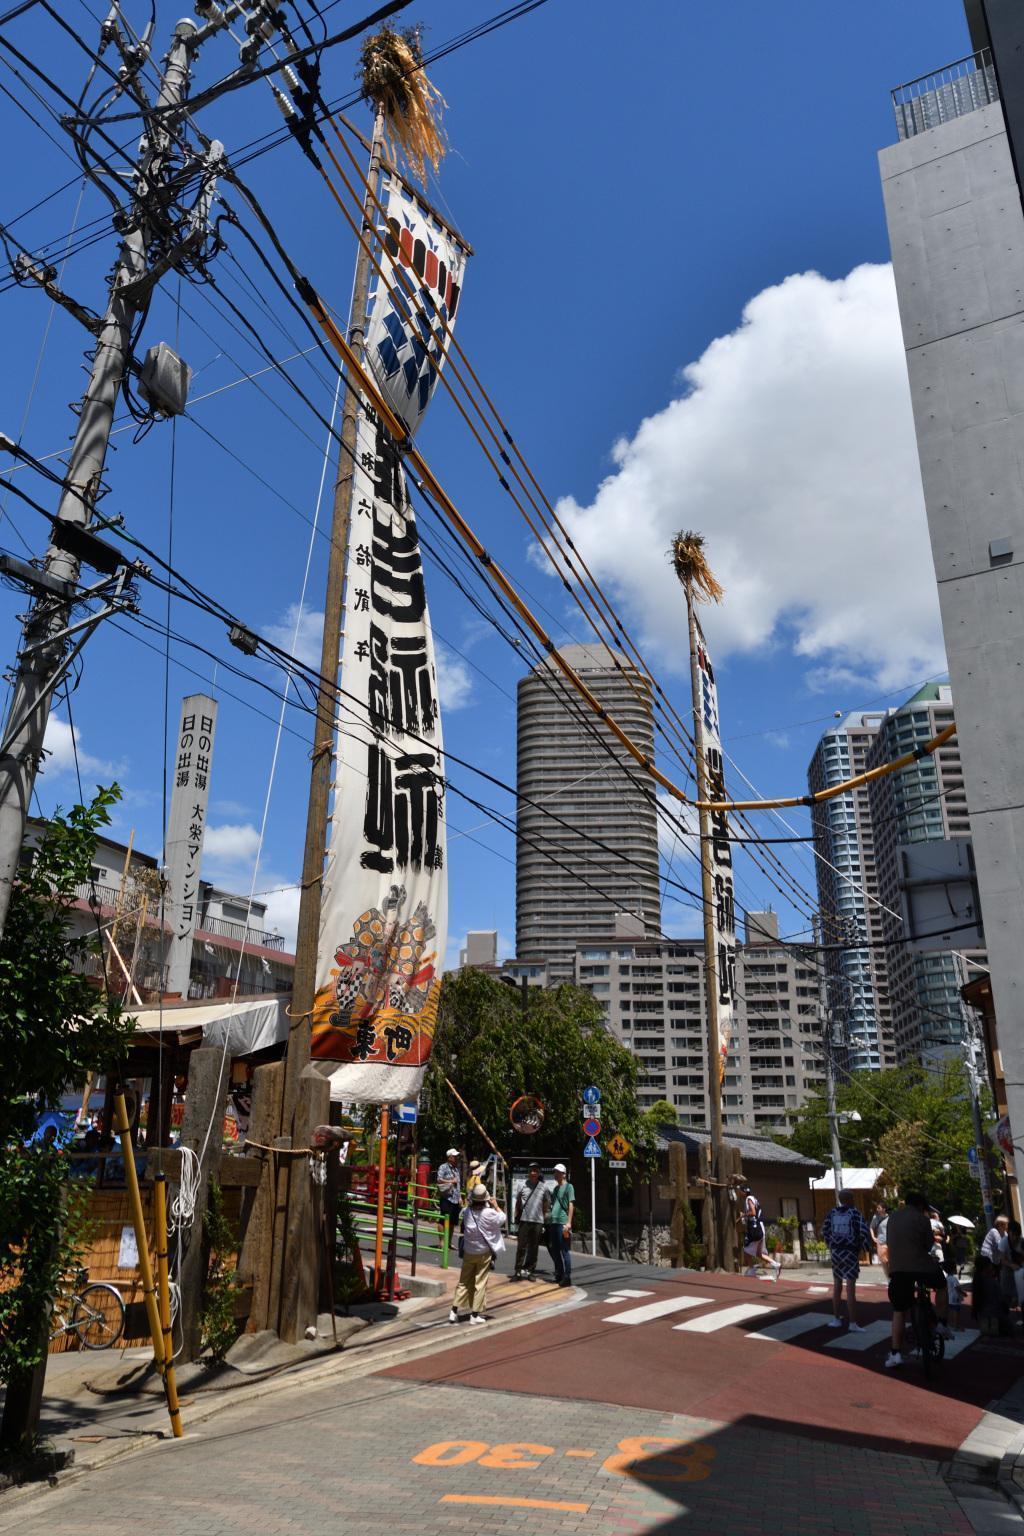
<point>753,1149</point>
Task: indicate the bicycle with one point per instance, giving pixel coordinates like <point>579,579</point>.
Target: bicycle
<point>928,1341</point>
<point>95,1312</point>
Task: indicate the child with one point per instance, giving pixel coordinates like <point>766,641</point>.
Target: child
<point>956,1296</point>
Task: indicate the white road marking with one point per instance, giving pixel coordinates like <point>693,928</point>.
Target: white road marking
<point>715,1320</point>
<point>874,1333</point>
<point>792,1327</point>
<point>655,1309</point>
<point>819,1290</point>
<point>962,1341</point>
<point>626,1295</point>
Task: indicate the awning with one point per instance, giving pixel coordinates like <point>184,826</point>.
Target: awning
<point>852,1178</point>
<point>250,1025</point>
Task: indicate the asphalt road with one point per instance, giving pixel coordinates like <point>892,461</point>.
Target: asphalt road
<point>707,1404</point>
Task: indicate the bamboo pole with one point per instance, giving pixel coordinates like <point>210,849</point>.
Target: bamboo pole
<point>124,1134</point>
<point>476,1122</point>
<point>382,1174</point>
<point>170,1383</point>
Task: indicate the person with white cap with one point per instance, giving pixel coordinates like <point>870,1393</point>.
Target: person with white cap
<point>449,1187</point>
<point>558,1225</point>
<point>480,1242</point>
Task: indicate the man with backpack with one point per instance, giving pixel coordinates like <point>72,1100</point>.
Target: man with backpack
<point>848,1236</point>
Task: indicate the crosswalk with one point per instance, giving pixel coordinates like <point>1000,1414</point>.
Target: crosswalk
<point>714,1317</point>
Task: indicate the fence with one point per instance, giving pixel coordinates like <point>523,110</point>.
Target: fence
<point>961,87</point>
<point>413,1224</point>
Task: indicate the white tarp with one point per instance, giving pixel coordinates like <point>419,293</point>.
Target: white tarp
<point>384,922</point>
<point>852,1178</point>
<point>723,895</point>
<point>251,1024</point>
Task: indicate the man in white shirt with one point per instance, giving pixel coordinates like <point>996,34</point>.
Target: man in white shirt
<point>532,1205</point>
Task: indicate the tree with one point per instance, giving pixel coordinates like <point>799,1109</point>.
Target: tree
<point>913,1121</point>
<point>493,1049</point>
<point>55,1027</point>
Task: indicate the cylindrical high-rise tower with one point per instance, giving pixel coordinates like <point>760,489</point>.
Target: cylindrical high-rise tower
<point>568,889</point>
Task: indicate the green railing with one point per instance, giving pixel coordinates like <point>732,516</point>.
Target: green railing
<point>413,1223</point>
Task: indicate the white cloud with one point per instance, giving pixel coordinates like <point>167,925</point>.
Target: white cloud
<point>454,679</point>
<point>232,844</point>
<point>282,909</point>
<point>304,643</point>
<point>792,450</point>
<point>60,742</point>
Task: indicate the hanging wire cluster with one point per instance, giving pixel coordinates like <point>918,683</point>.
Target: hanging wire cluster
<point>691,566</point>
<point>394,79</point>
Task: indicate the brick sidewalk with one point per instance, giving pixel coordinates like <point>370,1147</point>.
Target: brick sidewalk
<point>430,1460</point>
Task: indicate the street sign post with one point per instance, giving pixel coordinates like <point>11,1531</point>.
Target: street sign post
<point>591,1127</point>
<point>592,1095</point>
<point>619,1146</point>
<point>406,1113</point>
<point>617,1162</point>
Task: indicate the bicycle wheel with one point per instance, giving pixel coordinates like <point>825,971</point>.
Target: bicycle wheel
<point>98,1315</point>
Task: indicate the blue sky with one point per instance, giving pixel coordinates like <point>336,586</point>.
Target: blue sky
<point>648,191</point>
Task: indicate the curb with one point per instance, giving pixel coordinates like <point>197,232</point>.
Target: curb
<point>344,1365</point>
<point>992,1456</point>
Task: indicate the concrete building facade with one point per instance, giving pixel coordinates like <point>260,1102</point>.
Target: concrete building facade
<point>652,994</point>
<point>847,878</point>
<point>956,229</point>
<point>568,886</point>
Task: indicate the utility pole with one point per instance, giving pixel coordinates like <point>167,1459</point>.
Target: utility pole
<point>828,1032</point>
<point>970,1045</point>
<point>45,656</point>
<point>294,1237</point>
<point>717,1193</point>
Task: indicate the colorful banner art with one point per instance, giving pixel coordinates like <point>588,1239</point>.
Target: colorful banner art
<point>424,264</point>
<point>723,895</point>
<point>385,910</point>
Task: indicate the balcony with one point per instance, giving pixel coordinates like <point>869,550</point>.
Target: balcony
<point>108,897</point>
<point>952,92</point>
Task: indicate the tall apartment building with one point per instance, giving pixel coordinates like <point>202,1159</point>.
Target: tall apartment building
<point>956,230</point>
<point>568,889</point>
<point>920,804</point>
<point>847,881</point>
<point>652,995</point>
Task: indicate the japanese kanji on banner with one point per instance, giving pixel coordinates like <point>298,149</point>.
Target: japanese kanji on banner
<point>385,908</point>
<point>723,896</point>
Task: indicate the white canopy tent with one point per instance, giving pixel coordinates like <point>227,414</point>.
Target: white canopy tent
<point>248,1025</point>
<point>851,1178</point>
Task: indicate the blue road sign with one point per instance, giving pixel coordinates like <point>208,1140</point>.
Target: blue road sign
<point>406,1114</point>
<point>592,1095</point>
<point>591,1149</point>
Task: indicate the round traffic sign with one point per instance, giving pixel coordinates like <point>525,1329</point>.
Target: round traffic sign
<point>591,1127</point>
<point>591,1095</point>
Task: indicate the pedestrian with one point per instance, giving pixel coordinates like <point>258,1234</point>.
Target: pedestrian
<point>987,1305</point>
<point>910,1239</point>
<point>878,1221</point>
<point>1011,1266</point>
<point>938,1235</point>
<point>449,1190</point>
<point>558,1225</point>
<point>847,1235</point>
<point>480,1242</point>
<point>533,1203</point>
<point>752,1233</point>
<point>881,1234</point>
<point>993,1237</point>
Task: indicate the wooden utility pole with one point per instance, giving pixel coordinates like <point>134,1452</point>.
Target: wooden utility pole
<point>294,1257</point>
<point>718,1204</point>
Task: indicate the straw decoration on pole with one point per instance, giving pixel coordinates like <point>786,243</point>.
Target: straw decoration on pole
<point>690,565</point>
<point>394,80</point>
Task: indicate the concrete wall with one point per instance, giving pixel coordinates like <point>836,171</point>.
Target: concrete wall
<point>957,235</point>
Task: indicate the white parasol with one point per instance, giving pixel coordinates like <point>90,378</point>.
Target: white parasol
<point>961,1221</point>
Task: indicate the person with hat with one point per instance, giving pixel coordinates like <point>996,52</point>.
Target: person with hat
<point>750,1220</point>
<point>449,1189</point>
<point>533,1203</point>
<point>558,1225</point>
<point>480,1242</point>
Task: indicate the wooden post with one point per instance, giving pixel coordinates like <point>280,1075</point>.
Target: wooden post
<point>678,1191</point>
<point>255,1258</point>
<point>300,1284</point>
<point>164,1297</point>
<point>201,1132</point>
<point>322,769</point>
<point>709,1223</point>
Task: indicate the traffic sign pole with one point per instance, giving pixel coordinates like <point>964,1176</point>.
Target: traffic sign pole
<point>618,1250</point>
<point>593,1207</point>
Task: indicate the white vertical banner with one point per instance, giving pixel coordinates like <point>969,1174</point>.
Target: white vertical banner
<point>384,921</point>
<point>723,894</point>
<point>186,828</point>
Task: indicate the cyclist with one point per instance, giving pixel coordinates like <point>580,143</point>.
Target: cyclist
<point>910,1239</point>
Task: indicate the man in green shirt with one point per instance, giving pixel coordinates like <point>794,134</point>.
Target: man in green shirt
<point>558,1226</point>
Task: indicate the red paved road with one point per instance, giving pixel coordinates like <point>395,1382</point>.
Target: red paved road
<point>725,1376</point>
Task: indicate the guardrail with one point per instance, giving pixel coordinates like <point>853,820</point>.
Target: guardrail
<point>414,1223</point>
<point>959,88</point>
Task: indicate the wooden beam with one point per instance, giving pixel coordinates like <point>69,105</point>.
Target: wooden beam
<point>255,1258</point>
<point>208,1072</point>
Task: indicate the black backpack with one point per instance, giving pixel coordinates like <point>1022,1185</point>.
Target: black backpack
<point>754,1225</point>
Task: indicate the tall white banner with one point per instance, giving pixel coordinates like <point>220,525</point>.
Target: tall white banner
<point>186,828</point>
<point>723,895</point>
<point>385,910</point>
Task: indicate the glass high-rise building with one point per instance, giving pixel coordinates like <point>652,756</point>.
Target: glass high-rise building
<point>568,888</point>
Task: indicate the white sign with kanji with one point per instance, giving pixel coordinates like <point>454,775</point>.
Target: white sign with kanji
<point>186,828</point>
